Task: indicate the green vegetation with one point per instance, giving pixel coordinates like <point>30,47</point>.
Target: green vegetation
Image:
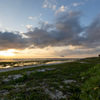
<point>91,87</point>
<point>78,80</point>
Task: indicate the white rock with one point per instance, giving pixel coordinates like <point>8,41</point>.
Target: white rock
<point>69,81</point>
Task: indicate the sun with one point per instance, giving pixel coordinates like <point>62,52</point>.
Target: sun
<point>7,52</point>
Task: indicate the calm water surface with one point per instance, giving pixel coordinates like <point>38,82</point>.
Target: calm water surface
<point>22,62</point>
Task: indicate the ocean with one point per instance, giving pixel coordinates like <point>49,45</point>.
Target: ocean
<point>12,63</point>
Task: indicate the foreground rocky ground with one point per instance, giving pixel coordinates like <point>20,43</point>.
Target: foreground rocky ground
<point>52,82</point>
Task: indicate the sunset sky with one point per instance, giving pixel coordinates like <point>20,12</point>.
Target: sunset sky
<point>49,28</point>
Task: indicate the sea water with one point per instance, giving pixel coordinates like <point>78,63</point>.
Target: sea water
<point>11,63</point>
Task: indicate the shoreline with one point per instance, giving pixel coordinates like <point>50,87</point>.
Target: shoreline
<point>26,67</point>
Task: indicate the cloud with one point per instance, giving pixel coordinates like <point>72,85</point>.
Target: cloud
<point>61,9</point>
<point>50,4</point>
<point>64,32</point>
<point>45,25</point>
<point>92,33</point>
<point>36,18</point>
<point>54,7</point>
<point>10,40</point>
<point>76,4</point>
<point>29,27</point>
<point>77,52</point>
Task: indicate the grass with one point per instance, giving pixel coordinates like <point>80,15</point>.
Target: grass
<point>91,87</point>
<point>50,84</point>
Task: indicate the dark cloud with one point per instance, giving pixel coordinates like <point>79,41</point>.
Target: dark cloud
<point>93,33</point>
<point>46,25</point>
<point>10,40</point>
<point>93,51</point>
<point>65,31</point>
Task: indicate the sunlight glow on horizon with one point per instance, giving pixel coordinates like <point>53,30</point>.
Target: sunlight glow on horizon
<point>7,52</point>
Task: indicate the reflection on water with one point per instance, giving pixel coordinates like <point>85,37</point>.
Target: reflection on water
<point>16,64</point>
<point>7,66</point>
<point>12,64</point>
<point>53,62</point>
